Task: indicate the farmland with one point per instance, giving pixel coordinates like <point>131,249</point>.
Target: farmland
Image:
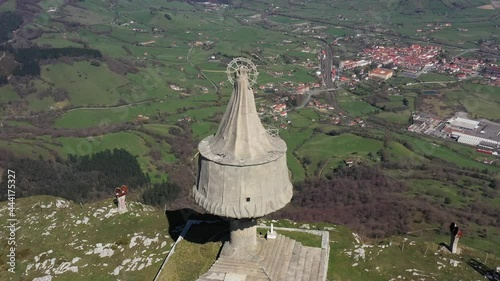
<point>160,88</point>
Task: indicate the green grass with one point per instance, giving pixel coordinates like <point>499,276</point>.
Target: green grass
<point>285,20</point>
<point>430,147</point>
<point>435,77</point>
<point>25,150</point>
<point>9,5</point>
<point>84,118</point>
<point>7,94</point>
<point>400,152</point>
<point>203,129</point>
<point>18,123</point>
<point>57,41</point>
<point>294,139</point>
<point>481,101</point>
<point>162,129</point>
<point>86,84</point>
<point>75,231</point>
<point>190,261</point>
<point>335,149</point>
<point>84,146</point>
<point>401,117</point>
<point>195,254</point>
<point>306,239</point>
<point>354,105</point>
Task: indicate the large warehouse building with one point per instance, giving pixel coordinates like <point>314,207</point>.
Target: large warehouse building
<point>474,132</point>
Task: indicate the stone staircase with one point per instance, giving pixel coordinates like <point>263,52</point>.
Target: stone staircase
<point>250,269</point>
<point>285,259</point>
<point>280,259</point>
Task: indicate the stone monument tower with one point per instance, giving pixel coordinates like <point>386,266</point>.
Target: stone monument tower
<point>456,234</point>
<point>120,193</point>
<point>242,172</point>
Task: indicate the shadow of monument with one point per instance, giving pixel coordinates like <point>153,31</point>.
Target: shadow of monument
<point>210,229</point>
<point>448,247</point>
<point>484,270</point>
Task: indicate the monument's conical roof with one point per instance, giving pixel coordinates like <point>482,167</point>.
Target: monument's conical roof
<point>241,139</point>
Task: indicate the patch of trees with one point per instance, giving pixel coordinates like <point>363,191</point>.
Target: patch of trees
<point>290,59</point>
<point>121,66</point>
<point>161,193</point>
<point>3,80</point>
<point>360,197</point>
<point>80,178</point>
<point>58,94</point>
<point>28,9</point>
<point>9,21</point>
<point>211,1</point>
<point>114,166</point>
<point>30,57</point>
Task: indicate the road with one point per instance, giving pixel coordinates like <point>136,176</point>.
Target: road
<point>326,69</point>
<point>312,93</point>
<point>201,72</point>
<point>466,51</point>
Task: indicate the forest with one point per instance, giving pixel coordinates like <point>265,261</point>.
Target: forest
<point>30,57</point>
<point>80,178</point>
<point>9,21</point>
<point>376,205</point>
<point>161,193</point>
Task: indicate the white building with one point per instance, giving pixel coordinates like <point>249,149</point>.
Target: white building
<point>463,123</point>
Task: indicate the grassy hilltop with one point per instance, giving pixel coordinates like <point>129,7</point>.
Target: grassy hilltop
<point>59,238</point>
<point>71,242</point>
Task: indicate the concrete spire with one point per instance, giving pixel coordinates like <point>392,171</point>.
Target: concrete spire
<point>241,138</point>
<point>242,171</point>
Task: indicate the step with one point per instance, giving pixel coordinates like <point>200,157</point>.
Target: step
<point>286,258</point>
<point>306,270</point>
<point>292,266</point>
<point>212,276</point>
<point>270,246</point>
<point>278,259</point>
<point>315,266</point>
<point>299,271</point>
<point>237,268</point>
<point>266,264</point>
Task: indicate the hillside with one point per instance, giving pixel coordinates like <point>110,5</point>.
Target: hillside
<point>60,240</point>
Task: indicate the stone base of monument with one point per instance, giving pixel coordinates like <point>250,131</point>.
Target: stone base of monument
<point>280,259</point>
<point>271,235</point>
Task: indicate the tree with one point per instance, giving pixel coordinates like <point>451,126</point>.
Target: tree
<point>306,160</point>
<point>405,101</point>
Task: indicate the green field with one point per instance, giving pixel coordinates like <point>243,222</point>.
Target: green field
<point>86,84</point>
<point>402,117</point>
<point>84,146</point>
<point>7,94</point>
<point>480,101</point>
<point>321,148</point>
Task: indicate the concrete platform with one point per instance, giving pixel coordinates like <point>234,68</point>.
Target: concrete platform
<point>280,259</point>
